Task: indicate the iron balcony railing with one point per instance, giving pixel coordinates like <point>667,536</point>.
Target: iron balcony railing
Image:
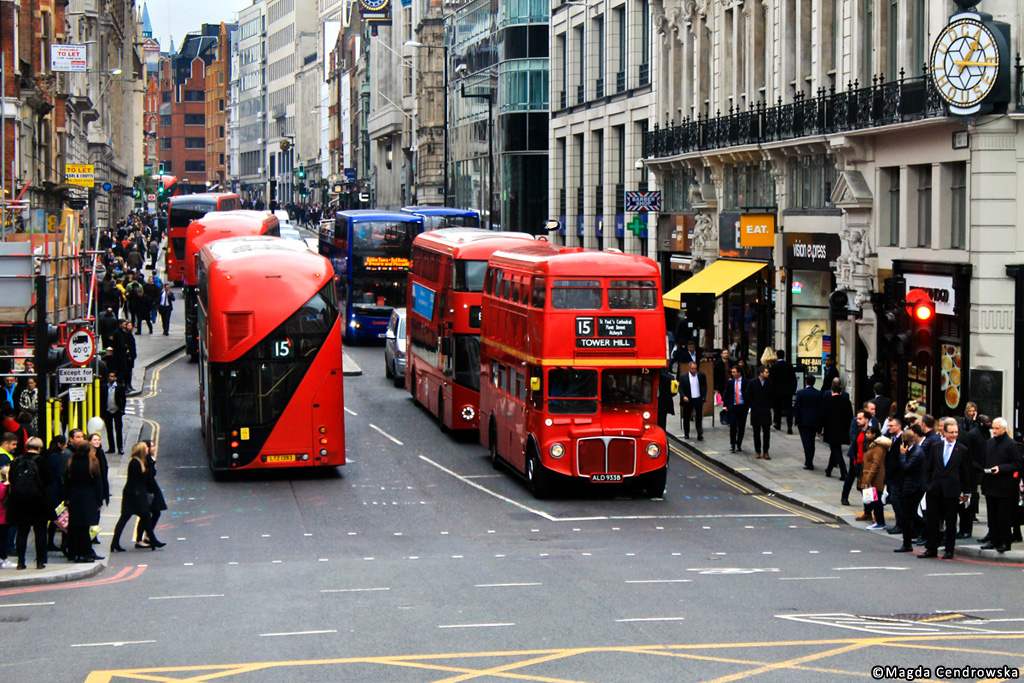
<point>881,103</point>
<point>1018,99</point>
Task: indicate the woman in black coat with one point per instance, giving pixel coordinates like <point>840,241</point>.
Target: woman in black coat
<point>158,504</point>
<point>134,500</point>
<point>83,495</point>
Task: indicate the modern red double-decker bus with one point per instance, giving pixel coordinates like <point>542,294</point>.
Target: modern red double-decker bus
<point>446,284</point>
<point>571,345</point>
<point>182,210</point>
<point>271,391</point>
<point>211,227</point>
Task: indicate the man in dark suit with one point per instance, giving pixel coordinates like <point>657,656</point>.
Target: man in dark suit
<point>947,477</point>
<point>836,413</point>
<point>735,399</point>
<point>761,398</point>
<point>999,484</point>
<point>112,404</point>
<point>693,391</point>
<point>808,414</point>
<point>831,371</point>
<point>688,355</point>
<point>882,403</point>
<point>784,378</point>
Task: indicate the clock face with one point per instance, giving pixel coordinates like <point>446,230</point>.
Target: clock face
<point>374,5</point>
<point>965,62</point>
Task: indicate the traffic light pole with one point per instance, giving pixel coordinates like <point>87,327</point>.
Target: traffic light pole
<point>42,348</point>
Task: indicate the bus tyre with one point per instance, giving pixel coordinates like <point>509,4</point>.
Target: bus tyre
<point>538,477</point>
<point>440,413</point>
<point>655,485</point>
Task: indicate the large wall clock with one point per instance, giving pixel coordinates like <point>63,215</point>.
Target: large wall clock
<point>374,5</point>
<point>965,63</point>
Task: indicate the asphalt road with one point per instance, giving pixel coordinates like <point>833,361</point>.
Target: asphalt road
<point>416,561</point>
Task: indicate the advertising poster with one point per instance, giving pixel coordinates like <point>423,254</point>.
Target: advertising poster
<point>809,348</point>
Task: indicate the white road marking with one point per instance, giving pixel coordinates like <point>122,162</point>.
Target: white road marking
<point>186,597</point>
<point>660,581</point>
<point>29,604</point>
<point>353,590</point>
<point>964,611</point>
<point>297,633</point>
<point>807,578</point>
<point>856,569</point>
<point>351,412</point>
<point>385,434</point>
<point>475,625</point>
<point>505,585</point>
<point>959,574</point>
<point>651,619</point>
<point>116,643</point>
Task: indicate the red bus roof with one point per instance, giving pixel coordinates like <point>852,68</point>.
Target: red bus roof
<point>218,225</point>
<point>544,258</point>
<point>253,284</point>
<point>470,243</point>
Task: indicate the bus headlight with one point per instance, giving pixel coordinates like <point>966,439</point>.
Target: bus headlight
<point>323,452</point>
<point>653,450</point>
<point>647,415</point>
<point>468,413</point>
<point>548,422</point>
<point>305,456</point>
<point>557,450</point>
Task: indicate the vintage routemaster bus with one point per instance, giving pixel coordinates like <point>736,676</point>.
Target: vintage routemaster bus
<point>270,372</point>
<point>211,227</point>
<point>446,284</point>
<point>182,210</point>
<point>571,345</point>
<point>371,252</point>
<point>435,217</point>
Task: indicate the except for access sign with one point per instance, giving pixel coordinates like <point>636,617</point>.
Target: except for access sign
<point>643,201</point>
<point>81,347</point>
<point>81,175</point>
<point>74,375</point>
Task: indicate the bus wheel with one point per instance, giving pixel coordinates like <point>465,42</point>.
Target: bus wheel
<point>538,477</point>
<point>440,413</point>
<point>655,485</point>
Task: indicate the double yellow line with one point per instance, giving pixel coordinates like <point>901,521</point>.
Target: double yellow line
<point>155,426</point>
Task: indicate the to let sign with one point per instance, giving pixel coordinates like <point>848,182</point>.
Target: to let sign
<point>757,230</point>
<point>67,58</point>
<point>81,175</point>
<point>643,201</point>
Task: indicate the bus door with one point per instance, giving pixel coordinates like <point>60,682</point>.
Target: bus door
<point>517,405</point>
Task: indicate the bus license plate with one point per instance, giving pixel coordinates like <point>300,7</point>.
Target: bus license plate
<point>605,478</point>
<point>280,458</point>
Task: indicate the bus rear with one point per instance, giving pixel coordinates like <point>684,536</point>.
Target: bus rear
<point>571,345</point>
<point>209,228</point>
<point>181,211</point>
<point>270,356</point>
<point>443,320</point>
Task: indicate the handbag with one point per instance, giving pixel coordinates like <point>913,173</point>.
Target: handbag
<point>869,495</point>
<point>62,517</point>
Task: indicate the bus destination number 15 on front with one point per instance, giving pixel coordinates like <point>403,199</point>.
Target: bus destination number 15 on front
<point>605,332</point>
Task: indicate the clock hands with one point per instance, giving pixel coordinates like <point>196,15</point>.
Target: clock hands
<point>962,63</point>
<point>974,46</point>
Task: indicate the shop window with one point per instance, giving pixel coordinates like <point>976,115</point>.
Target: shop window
<point>890,209</point>
<point>809,290</point>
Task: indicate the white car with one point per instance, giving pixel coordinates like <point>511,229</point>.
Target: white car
<point>290,232</point>
<point>394,348</point>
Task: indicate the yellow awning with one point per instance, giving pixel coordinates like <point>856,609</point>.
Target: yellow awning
<point>715,279</point>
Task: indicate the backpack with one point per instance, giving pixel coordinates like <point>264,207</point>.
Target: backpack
<point>26,484</point>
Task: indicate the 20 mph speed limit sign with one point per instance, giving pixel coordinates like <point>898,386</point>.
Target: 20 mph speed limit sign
<point>81,347</point>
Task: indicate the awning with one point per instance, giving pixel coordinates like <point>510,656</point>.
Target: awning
<point>715,279</point>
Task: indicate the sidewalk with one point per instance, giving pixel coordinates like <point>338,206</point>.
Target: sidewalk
<point>785,477</point>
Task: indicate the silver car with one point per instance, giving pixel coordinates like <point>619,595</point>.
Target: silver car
<point>394,348</point>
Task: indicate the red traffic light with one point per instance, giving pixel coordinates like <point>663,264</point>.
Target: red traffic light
<point>920,306</point>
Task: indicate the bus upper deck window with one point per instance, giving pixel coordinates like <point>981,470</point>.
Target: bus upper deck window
<point>576,294</point>
<point>632,294</point>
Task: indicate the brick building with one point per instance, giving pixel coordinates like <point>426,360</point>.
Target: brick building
<point>218,79</point>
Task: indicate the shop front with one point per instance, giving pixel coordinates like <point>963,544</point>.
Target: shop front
<point>937,375</point>
<point>809,278</point>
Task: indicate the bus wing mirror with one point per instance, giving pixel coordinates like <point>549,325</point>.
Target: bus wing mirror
<point>535,384</point>
<point>674,387</point>
<point>446,346</point>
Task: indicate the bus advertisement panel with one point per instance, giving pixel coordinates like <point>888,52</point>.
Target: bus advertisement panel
<point>182,210</point>
<point>211,227</point>
<point>446,285</point>
<point>436,217</point>
<point>571,345</point>
<point>270,372</point>
<point>371,252</point>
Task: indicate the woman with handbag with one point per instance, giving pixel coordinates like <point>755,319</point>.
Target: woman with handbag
<point>157,503</point>
<point>135,501</point>
<point>872,477</point>
<point>83,495</point>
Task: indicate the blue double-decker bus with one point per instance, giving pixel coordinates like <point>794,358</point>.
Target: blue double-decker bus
<point>371,252</point>
<point>435,217</point>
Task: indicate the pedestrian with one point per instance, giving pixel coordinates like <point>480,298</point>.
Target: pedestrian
<point>687,355</point>
<point>135,501</point>
<point>83,494</point>
<point>720,373</point>
<point>745,371</point>
<point>154,251</point>
<point>134,259</point>
<point>113,401</point>
<point>158,504</point>
<point>912,464</point>
<point>95,442</point>
<point>666,378</point>
<point>29,402</point>
<point>808,411</point>
<point>947,478</point>
<point>855,457</point>
<point>783,376</point>
<point>760,399</point>
<point>872,476</point>
<point>735,404</point>
<point>57,461</point>
<point>893,472</point>
<point>976,441</point>
<point>968,421</point>
<point>164,306</point>
<point>836,413</point>
<point>28,503</point>
<point>882,403</point>
<point>1000,485</point>
<point>831,371</point>
<point>693,391</point>
<point>9,392</point>
<point>5,489</point>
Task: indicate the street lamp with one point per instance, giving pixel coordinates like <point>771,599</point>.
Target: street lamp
<point>462,69</point>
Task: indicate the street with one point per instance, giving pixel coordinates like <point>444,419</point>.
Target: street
<point>417,561</point>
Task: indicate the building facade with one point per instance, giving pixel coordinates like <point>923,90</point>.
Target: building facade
<point>218,84</point>
<point>248,109</point>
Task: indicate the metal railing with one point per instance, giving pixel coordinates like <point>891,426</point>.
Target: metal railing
<point>881,103</point>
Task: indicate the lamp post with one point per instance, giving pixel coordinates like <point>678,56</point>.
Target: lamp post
<point>489,96</point>
<point>444,48</point>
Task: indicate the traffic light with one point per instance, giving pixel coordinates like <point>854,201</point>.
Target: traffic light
<point>921,311</point>
<point>301,172</point>
<point>893,320</point>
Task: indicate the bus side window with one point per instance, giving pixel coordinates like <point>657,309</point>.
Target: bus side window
<point>521,387</point>
<point>494,373</point>
<point>538,292</point>
<point>515,290</point>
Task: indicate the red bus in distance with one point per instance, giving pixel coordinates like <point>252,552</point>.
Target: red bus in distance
<point>270,372</point>
<point>211,227</point>
<point>446,284</point>
<point>182,210</point>
<point>571,345</point>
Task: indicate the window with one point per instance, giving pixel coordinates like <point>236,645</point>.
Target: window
<point>890,235</point>
<point>165,119</point>
<point>958,205</point>
<point>195,96</point>
<point>572,391</point>
<point>220,104</point>
<point>165,143</point>
<point>195,166</point>
<point>811,179</point>
<point>626,387</point>
<point>195,143</point>
<point>195,119</point>
<point>576,294</point>
<point>924,205</point>
<point>632,294</point>
<point>749,186</point>
<point>165,97</point>
<point>538,292</point>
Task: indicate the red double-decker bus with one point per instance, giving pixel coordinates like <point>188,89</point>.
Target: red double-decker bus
<point>571,345</point>
<point>211,227</point>
<point>271,392</point>
<point>182,210</point>
<point>446,284</point>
